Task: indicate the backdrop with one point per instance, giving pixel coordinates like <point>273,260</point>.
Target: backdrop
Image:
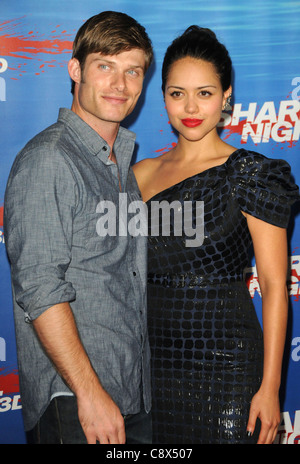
<point>263,40</point>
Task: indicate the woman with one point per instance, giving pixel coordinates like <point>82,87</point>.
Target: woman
<point>215,376</point>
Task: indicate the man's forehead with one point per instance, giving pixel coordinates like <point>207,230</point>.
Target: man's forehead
<point>135,56</point>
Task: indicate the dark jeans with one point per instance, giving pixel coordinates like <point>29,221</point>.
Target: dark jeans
<point>60,425</point>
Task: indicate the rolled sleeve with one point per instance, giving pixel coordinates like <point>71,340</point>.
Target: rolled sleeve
<point>38,216</point>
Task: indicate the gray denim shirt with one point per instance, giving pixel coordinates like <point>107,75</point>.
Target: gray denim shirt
<point>53,224</point>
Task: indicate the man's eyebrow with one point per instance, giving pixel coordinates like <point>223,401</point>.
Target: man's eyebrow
<point>137,66</point>
<point>105,60</point>
<point>100,58</point>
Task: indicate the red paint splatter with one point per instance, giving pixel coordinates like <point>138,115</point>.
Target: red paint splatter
<point>161,151</point>
<point>231,130</point>
<point>13,46</point>
<point>30,46</point>
<point>9,381</point>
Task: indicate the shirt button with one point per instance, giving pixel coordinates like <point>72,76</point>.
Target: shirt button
<point>104,148</point>
<point>134,273</point>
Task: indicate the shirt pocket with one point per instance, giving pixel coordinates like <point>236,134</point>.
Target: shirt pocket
<point>101,225</point>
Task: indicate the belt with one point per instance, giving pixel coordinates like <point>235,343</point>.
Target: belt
<point>191,280</point>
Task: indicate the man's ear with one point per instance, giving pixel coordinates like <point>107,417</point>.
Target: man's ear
<point>74,70</point>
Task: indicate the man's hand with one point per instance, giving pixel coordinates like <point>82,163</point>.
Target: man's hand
<point>99,416</point>
<point>101,419</point>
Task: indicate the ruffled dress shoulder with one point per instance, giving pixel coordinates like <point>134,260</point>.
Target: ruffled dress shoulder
<point>263,187</point>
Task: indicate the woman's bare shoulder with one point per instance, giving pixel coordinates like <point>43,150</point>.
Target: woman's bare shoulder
<point>145,168</point>
<point>147,162</point>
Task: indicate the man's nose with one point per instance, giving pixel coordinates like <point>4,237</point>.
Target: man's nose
<point>119,81</point>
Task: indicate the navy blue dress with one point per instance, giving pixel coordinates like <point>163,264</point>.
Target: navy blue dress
<point>206,341</point>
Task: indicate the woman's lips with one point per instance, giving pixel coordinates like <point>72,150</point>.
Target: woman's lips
<point>191,122</point>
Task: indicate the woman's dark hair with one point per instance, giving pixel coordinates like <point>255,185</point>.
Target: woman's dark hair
<point>201,43</point>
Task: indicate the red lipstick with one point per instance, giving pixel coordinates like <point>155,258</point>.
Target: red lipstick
<point>191,122</point>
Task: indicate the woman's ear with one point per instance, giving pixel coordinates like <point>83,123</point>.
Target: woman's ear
<point>226,98</point>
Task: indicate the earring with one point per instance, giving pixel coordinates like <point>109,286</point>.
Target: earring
<point>227,106</point>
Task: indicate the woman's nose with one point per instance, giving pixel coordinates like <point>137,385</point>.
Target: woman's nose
<point>191,106</point>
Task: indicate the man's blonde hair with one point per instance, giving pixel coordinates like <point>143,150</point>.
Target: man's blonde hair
<point>111,33</point>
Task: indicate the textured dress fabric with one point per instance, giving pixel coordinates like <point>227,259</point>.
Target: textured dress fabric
<point>206,340</point>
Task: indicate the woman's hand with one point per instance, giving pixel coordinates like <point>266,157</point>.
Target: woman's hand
<point>265,406</point>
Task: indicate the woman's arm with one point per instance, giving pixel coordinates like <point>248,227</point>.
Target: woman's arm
<point>270,249</point>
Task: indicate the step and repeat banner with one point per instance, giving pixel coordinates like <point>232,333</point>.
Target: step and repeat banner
<point>264,43</point>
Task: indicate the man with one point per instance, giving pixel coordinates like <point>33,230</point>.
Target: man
<point>81,337</point>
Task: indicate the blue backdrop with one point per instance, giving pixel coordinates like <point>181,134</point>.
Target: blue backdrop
<point>263,40</point>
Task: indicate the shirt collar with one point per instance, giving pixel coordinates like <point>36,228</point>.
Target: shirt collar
<point>96,145</point>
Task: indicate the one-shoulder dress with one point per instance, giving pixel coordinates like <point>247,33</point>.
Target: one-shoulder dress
<point>205,338</point>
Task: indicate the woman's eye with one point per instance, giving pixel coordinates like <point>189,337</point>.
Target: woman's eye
<point>176,94</point>
<point>205,93</point>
